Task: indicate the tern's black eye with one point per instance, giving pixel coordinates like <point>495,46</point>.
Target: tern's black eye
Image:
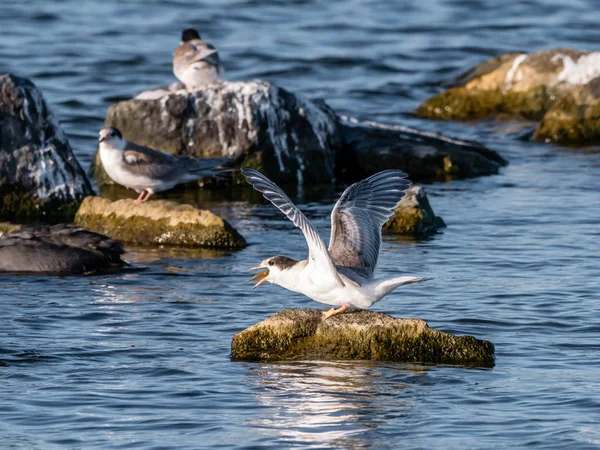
<point>271,263</point>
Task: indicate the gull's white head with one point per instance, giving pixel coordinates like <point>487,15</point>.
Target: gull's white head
<point>112,137</point>
<point>277,267</point>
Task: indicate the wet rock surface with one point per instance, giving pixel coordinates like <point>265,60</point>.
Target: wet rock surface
<point>40,179</point>
<point>289,139</point>
<point>301,334</point>
<point>414,215</point>
<point>157,222</point>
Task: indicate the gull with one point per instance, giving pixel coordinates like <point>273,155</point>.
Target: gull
<point>195,62</point>
<point>343,273</point>
<point>148,171</point>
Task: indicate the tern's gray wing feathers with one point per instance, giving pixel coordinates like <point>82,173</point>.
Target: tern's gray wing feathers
<point>159,165</point>
<point>142,160</point>
<point>358,216</point>
<point>317,253</point>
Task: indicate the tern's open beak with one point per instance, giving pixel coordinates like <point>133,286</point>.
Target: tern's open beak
<point>262,276</point>
<point>103,134</point>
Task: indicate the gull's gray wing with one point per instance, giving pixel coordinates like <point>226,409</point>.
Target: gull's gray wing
<point>317,253</point>
<point>358,216</point>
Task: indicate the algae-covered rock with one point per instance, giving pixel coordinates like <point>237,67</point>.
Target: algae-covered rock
<point>157,222</point>
<point>516,85</point>
<point>414,215</point>
<point>574,119</point>
<point>372,147</point>
<point>40,179</point>
<point>255,123</point>
<point>356,335</point>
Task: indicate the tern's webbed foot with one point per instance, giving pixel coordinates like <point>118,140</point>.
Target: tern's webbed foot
<point>333,312</point>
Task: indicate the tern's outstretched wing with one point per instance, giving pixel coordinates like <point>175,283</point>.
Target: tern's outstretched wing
<point>317,253</point>
<point>358,216</point>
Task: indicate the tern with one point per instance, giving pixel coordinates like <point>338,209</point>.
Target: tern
<point>195,62</point>
<point>148,171</point>
<point>343,273</point>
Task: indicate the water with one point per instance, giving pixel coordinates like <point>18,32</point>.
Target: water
<point>141,360</point>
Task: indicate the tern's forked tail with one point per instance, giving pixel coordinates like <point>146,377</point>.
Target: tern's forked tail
<point>387,286</point>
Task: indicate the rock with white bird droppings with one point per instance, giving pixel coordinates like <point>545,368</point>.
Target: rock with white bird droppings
<point>255,123</point>
<point>158,222</point>
<point>287,138</point>
<point>40,179</point>
<point>302,334</point>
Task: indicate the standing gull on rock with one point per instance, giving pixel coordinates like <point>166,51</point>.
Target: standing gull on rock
<point>341,275</point>
<point>148,171</point>
<point>195,62</point>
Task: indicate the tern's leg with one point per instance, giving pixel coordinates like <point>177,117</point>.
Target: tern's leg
<point>148,194</point>
<point>139,199</point>
<point>333,312</point>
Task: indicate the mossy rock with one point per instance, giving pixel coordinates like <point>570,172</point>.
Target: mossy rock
<point>514,86</point>
<point>157,222</point>
<point>414,215</point>
<point>574,119</point>
<point>302,334</point>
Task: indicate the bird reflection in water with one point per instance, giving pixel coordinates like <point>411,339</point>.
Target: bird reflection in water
<point>330,404</point>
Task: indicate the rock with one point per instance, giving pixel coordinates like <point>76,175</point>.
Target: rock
<point>59,250</point>
<point>7,227</point>
<point>414,215</point>
<point>372,147</point>
<point>157,222</point>
<point>255,123</point>
<point>574,119</point>
<point>515,85</point>
<point>287,138</point>
<point>357,335</point>
<point>40,179</point>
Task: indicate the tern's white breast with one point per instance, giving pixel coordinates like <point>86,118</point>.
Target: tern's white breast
<point>112,161</point>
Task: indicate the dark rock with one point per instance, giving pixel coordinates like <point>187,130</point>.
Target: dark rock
<point>157,222</point>
<point>285,137</point>
<point>40,179</point>
<point>255,123</point>
<point>357,335</point>
<point>59,250</point>
<point>372,147</point>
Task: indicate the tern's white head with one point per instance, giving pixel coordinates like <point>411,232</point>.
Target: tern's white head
<point>277,269</point>
<point>112,137</point>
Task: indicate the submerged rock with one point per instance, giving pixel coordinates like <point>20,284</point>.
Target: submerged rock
<point>356,335</point>
<point>515,85</point>
<point>60,250</point>
<point>372,147</point>
<point>414,215</point>
<point>157,222</point>
<point>255,123</point>
<point>40,179</point>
